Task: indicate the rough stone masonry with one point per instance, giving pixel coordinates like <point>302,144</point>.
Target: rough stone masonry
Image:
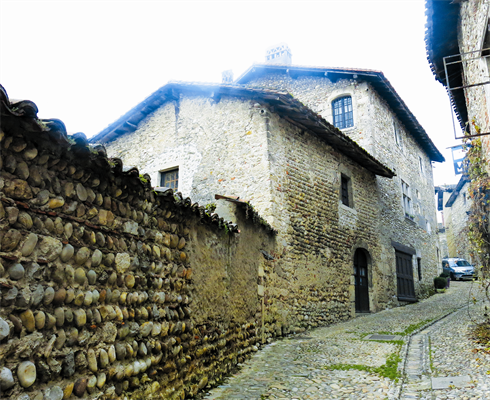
<point>109,289</point>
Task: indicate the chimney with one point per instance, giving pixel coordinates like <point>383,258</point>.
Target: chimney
<point>278,54</point>
<point>227,76</point>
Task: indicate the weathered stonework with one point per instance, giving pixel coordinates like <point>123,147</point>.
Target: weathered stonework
<point>109,289</point>
<point>457,205</point>
<point>472,34</point>
<point>374,130</point>
<point>292,177</point>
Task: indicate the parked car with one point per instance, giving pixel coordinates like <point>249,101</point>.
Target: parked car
<point>458,268</point>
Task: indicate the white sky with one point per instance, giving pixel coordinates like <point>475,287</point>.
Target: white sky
<point>89,62</point>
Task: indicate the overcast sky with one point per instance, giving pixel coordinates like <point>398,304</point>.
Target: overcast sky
<point>89,62</point>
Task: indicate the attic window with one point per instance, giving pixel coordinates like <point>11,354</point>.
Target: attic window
<point>170,178</point>
<point>343,116</point>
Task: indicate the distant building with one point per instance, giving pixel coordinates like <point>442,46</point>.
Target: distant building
<point>454,203</point>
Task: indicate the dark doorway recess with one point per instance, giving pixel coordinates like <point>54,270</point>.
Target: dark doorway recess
<point>361,280</point>
<point>404,276</point>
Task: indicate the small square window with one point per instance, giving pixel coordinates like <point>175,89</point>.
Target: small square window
<point>170,178</point>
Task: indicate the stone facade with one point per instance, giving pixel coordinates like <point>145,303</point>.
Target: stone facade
<point>456,206</point>
<point>461,29</point>
<point>231,145</point>
<point>374,125</point>
<point>473,36</point>
<point>112,290</point>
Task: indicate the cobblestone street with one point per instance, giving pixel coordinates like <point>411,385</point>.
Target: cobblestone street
<point>429,340</point>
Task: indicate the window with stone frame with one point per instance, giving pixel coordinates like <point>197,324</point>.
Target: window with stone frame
<point>170,178</point>
<point>346,191</point>
<point>397,133</point>
<point>343,114</point>
<point>407,200</point>
<point>421,166</point>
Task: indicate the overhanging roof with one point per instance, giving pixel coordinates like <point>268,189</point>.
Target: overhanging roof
<point>377,80</point>
<point>281,103</point>
<point>457,191</point>
<point>441,40</point>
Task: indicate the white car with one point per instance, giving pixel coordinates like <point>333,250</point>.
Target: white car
<point>458,268</point>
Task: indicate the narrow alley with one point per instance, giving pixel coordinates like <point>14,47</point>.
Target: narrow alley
<point>420,351</point>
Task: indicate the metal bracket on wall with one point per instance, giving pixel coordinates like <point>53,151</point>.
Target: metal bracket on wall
<point>454,72</point>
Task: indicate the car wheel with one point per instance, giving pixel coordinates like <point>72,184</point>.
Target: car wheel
<point>452,277</point>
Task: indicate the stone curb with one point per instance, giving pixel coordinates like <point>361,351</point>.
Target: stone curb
<point>406,348</point>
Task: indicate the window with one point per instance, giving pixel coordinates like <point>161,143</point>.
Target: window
<point>398,136</point>
<point>345,191</point>
<point>464,198</point>
<point>421,166</point>
<point>343,116</point>
<point>427,226</point>
<point>407,200</point>
<point>170,178</point>
<point>419,268</point>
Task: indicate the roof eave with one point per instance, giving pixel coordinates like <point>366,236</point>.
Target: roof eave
<point>380,84</point>
<point>283,103</point>
<point>441,40</point>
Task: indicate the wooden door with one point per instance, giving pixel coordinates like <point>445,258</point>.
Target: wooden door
<point>404,277</point>
<point>361,281</point>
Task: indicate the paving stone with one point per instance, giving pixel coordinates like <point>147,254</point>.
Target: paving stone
<point>297,367</point>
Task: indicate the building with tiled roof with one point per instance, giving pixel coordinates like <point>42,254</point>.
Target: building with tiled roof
<point>331,158</point>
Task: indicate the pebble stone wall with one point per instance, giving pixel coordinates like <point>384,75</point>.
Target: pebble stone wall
<point>106,286</point>
<point>373,130</point>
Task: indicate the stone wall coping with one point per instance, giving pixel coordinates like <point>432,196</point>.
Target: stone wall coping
<point>21,116</point>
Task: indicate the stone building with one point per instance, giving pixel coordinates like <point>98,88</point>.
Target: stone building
<point>458,41</point>
<point>110,289</point>
<point>353,207</point>
<point>454,203</point>
<point>364,106</point>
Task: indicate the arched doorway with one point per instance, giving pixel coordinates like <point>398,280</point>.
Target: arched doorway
<point>361,280</point>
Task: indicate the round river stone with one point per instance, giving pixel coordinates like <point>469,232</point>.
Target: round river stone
<point>26,372</point>
<point>4,329</point>
<point>16,272</point>
<point>6,379</point>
